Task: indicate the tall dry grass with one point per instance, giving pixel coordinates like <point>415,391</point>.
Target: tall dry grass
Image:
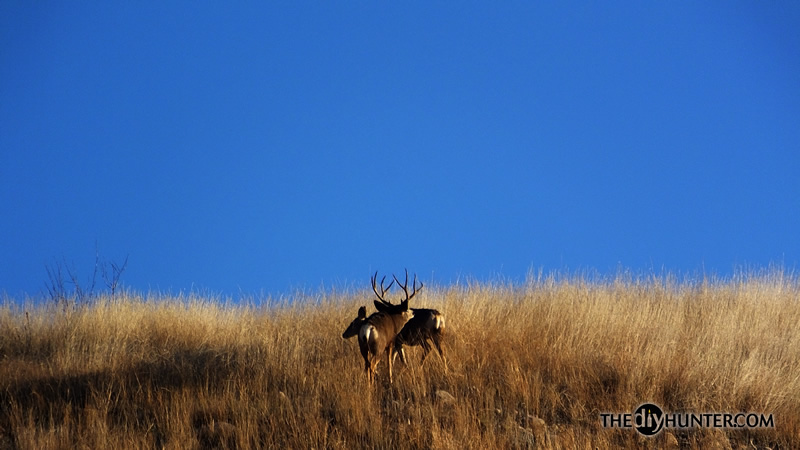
<point>529,366</point>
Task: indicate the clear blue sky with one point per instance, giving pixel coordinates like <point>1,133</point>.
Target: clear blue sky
<point>252,147</point>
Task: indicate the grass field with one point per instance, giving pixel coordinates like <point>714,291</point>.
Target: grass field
<point>529,366</point>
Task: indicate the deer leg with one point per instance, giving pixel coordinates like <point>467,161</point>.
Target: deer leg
<point>425,349</point>
<point>373,368</point>
<point>438,344</point>
<point>399,351</point>
<point>368,367</point>
<point>389,357</point>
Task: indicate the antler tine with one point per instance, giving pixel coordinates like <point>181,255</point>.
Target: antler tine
<point>374,280</point>
<point>421,285</point>
<point>383,290</point>
<point>414,286</point>
<point>404,286</point>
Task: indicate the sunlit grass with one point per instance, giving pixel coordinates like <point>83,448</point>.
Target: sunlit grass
<point>530,365</point>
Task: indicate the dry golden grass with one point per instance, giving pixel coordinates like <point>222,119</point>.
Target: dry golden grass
<point>530,366</point>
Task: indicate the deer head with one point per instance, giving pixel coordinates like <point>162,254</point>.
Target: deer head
<point>356,324</point>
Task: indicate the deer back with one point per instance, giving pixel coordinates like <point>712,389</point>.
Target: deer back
<point>387,325</point>
<point>424,323</point>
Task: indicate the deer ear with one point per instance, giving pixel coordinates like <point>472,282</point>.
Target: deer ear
<point>362,312</point>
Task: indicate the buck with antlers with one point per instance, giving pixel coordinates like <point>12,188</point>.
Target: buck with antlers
<point>425,325</point>
<point>377,333</point>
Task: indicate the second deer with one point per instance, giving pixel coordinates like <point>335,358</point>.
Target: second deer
<point>426,325</point>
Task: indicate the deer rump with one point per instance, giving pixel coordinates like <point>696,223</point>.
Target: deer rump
<point>376,337</point>
<point>378,333</point>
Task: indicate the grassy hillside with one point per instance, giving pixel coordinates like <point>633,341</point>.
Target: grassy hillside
<point>529,366</point>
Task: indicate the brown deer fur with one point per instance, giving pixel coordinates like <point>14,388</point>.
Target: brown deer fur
<point>376,336</point>
<point>426,325</point>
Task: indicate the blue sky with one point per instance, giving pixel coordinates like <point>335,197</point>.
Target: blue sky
<point>263,147</point>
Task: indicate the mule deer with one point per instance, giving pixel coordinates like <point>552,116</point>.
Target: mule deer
<point>376,333</point>
<point>426,325</point>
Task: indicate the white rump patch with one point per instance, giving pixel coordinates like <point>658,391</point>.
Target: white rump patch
<point>435,322</point>
<point>367,332</point>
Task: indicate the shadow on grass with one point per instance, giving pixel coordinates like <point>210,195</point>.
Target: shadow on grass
<point>131,398</point>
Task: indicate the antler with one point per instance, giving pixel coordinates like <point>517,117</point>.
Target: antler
<point>404,286</point>
<point>383,290</point>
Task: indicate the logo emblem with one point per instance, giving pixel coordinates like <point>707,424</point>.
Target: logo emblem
<point>648,419</point>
